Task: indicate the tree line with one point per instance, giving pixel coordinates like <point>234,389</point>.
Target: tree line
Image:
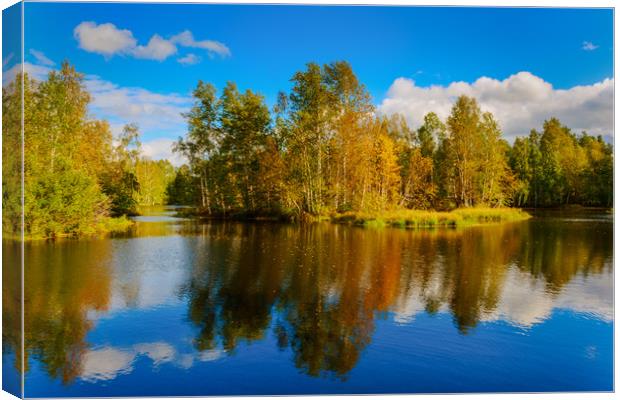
<point>323,148</point>
<point>77,176</point>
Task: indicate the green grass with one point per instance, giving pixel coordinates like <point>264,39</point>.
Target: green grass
<point>431,219</point>
<point>102,227</point>
<point>118,224</point>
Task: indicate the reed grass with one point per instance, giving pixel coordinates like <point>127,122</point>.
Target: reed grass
<point>431,219</point>
<point>117,224</point>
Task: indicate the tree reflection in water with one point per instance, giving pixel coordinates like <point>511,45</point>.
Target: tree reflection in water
<point>325,285</point>
<point>317,288</point>
<point>62,285</point>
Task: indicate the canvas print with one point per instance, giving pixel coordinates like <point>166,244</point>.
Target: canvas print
<point>234,199</point>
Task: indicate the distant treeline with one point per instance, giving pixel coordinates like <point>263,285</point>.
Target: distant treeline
<point>324,149</point>
<point>77,177</point>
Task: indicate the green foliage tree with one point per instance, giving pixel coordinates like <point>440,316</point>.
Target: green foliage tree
<point>557,167</point>
<point>154,178</point>
<point>475,158</point>
<point>309,113</point>
<point>182,190</point>
<point>119,181</point>
<point>201,139</point>
<point>11,153</point>
<point>75,176</point>
<point>62,195</point>
<point>597,176</point>
<point>245,125</point>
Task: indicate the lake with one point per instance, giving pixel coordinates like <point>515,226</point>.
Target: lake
<point>179,307</point>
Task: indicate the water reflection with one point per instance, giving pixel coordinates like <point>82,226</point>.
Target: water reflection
<point>319,290</point>
<point>64,282</point>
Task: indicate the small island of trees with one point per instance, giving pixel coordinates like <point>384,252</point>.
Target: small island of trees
<point>322,152</point>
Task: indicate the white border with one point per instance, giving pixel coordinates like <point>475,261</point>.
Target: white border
<point>480,3</point>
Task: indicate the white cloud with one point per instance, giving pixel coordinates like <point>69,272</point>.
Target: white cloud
<point>108,40</point>
<point>589,46</point>
<point>210,355</point>
<point>189,59</point>
<point>108,362</point>
<point>42,58</point>
<point>158,352</point>
<point>38,72</point>
<point>590,295</point>
<point>105,39</point>
<point>186,39</point>
<point>105,364</point>
<point>158,49</point>
<point>155,113</point>
<point>520,102</point>
<point>148,109</point>
<point>161,149</point>
<point>9,75</point>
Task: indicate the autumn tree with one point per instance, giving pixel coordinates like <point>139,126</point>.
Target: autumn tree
<point>352,118</point>
<point>417,152</point>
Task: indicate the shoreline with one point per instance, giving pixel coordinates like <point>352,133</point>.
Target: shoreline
<point>403,218</point>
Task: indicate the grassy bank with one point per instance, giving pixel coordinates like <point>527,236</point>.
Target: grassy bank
<point>102,227</point>
<point>398,218</point>
<point>111,225</point>
<point>431,219</point>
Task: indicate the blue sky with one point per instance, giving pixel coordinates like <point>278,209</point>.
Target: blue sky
<point>398,52</point>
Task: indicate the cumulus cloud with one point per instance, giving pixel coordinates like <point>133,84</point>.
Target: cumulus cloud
<point>105,364</point>
<point>157,114</point>
<point>153,111</point>
<point>42,58</point>
<point>35,71</point>
<point>186,39</point>
<point>590,296</point>
<point>158,352</point>
<point>108,362</point>
<point>108,40</point>
<point>161,149</point>
<point>158,49</point>
<point>189,59</point>
<point>520,102</point>
<point>589,46</point>
<point>105,39</point>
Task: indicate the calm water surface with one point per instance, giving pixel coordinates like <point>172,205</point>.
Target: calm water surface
<point>178,307</point>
